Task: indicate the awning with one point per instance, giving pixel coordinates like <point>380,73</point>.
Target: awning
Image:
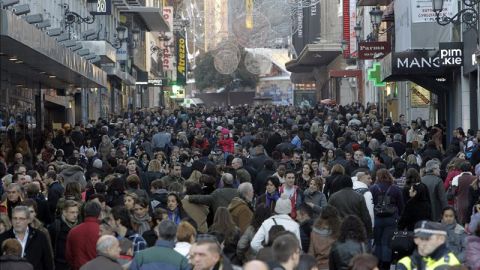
<point>314,55</point>
<point>107,53</point>
<point>41,59</point>
<point>373,2</point>
<point>437,83</point>
<point>151,16</point>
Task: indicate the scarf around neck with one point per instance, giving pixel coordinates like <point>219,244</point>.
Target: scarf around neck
<point>271,197</point>
<point>143,222</point>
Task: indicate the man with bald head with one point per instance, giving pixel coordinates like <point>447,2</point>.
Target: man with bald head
<point>108,251</point>
<point>255,265</point>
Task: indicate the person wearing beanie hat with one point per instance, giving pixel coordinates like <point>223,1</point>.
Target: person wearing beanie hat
<point>281,216</point>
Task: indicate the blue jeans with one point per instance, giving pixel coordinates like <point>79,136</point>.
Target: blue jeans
<point>382,235</point>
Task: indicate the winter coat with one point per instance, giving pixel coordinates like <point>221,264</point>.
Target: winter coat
<point>456,240</point>
<point>81,244</point>
<point>472,253</point>
<point>342,252</point>
<point>160,256</point>
<point>317,198</point>
<point>321,242</point>
<point>474,222</point>
<point>461,198</point>
<point>102,262</point>
<point>74,173</point>
<point>227,145</point>
<point>438,197</point>
<point>349,202</point>
<point>219,197</point>
<point>244,251</point>
<point>14,263</point>
<point>415,210</point>
<point>37,250</point>
<point>58,231</point>
<point>261,236</point>
<point>241,213</point>
<point>197,212</point>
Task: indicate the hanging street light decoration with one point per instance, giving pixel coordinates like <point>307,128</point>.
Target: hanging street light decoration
<point>72,17</point>
<point>468,15</point>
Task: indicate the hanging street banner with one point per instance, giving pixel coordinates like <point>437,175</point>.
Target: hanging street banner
<point>373,50</point>
<point>181,59</point>
<point>422,10</point>
<point>167,45</point>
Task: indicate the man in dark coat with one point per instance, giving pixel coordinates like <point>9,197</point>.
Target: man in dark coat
<point>36,248</point>
<point>349,202</point>
<point>59,230</point>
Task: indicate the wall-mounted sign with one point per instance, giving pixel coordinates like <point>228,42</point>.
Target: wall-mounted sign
<point>374,75</point>
<point>102,7</point>
<point>451,54</point>
<point>416,63</point>
<point>373,50</point>
<point>422,10</point>
<point>181,60</point>
<point>167,45</point>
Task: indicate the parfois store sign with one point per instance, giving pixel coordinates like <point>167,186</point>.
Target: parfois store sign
<point>451,54</point>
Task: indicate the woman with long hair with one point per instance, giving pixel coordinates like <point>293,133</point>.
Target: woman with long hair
<point>328,157</point>
<point>417,207</point>
<point>336,172</point>
<point>174,208</point>
<point>226,230</point>
<point>303,178</point>
<point>412,177</point>
<point>386,195</point>
<point>352,240</point>
<point>325,232</point>
<point>271,195</point>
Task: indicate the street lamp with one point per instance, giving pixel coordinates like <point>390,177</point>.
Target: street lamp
<point>73,17</point>
<point>376,17</point>
<point>468,15</point>
<point>120,37</point>
<point>358,30</point>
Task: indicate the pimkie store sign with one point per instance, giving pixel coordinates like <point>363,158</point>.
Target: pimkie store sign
<point>451,54</point>
<point>373,50</point>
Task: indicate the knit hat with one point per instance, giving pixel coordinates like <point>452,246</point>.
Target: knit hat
<point>426,228</point>
<point>283,205</point>
<point>97,163</point>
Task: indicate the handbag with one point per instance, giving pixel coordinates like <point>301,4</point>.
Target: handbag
<point>402,244</point>
<point>384,208</point>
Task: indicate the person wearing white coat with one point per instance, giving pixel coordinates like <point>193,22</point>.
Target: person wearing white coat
<point>283,208</point>
<point>361,183</point>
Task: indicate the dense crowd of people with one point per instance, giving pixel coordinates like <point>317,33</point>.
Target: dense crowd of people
<point>264,187</point>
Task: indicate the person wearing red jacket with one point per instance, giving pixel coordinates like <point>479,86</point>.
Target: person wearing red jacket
<point>226,143</point>
<point>81,244</point>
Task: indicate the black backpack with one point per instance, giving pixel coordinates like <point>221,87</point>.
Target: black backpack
<point>384,207</point>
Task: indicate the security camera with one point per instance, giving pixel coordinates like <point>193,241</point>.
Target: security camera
<point>34,18</point>
<point>65,6</point>
<point>54,32</point>
<point>7,3</point>
<point>21,9</point>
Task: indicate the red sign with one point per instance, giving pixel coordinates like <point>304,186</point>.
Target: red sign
<point>373,50</point>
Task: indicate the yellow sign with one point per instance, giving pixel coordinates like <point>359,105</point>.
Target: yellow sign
<point>249,14</point>
<point>181,66</point>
